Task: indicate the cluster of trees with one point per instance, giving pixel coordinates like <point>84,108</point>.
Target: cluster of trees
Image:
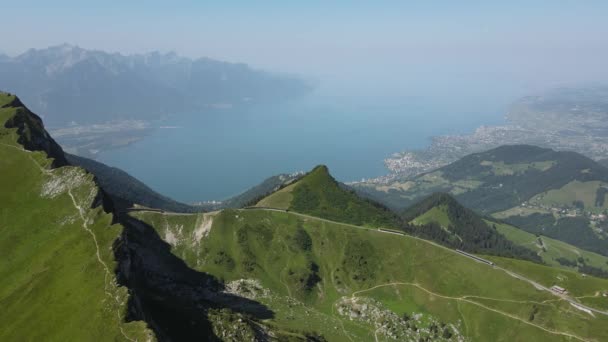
<point>573,230</point>
<point>501,191</point>
<point>594,271</point>
<point>600,196</point>
<point>566,262</point>
<point>467,231</point>
<point>582,266</point>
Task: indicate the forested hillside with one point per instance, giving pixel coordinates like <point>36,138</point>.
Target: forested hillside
<point>494,180</point>
<point>318,194</point>
<point>441,218</point>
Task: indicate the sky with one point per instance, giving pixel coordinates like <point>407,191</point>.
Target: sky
<point>531,43</point>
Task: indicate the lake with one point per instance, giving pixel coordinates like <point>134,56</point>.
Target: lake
<point>218,153</point>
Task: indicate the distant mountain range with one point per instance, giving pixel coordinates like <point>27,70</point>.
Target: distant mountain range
<point>73,85</point>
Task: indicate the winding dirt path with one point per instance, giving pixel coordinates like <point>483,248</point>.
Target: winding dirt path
<point>464,299</point>
<point>107,274</point>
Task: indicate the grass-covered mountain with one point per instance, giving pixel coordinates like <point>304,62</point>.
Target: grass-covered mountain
<point>497,179</point>
<point>438,217</point>
<point>318,194</point>
<point>57,266</point>
<point>73,269</point>
<point>441,218</point>
<point>340,282</point>
<point>561,195</point>
<point>74,85</point>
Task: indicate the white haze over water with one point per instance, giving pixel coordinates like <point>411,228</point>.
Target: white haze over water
<point>353,48</point>
<point>389,75</point>
<point>217,154</point>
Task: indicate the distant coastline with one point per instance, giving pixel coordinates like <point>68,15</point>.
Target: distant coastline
<point>567,119</point>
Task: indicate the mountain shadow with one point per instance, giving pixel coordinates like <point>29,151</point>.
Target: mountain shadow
<point>173,299</point>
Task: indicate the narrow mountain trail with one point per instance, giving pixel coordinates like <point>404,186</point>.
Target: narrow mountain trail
<point>464,321</point>
<point>512,274</point>
<point>29,155</point>
<point>81,213</point>
<point>464,299</point>
<point>107,274</point>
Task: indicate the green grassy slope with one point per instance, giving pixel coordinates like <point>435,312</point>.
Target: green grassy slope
<point>590,195</point>
<point>351,283</point>
<point>441,218</point>
<point>280,199</point>
<point>577,231</point>
<point>56,261</point>
<point>494,180</point>
<point>437,215</point>
<point>553,251</point>
<point>319,194</point>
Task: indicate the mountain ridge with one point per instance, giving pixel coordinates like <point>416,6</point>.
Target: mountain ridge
<point>56,240</point>
<point>82,271</point>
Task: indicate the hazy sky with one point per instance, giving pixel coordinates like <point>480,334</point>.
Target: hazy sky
<point>380,41</point>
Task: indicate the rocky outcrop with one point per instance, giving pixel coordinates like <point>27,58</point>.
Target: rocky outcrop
<point>177,302</point>
<point>32,134</point>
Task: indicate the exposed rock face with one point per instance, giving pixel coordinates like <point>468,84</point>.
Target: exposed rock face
<point>178,302</point>
<point>32,134</point>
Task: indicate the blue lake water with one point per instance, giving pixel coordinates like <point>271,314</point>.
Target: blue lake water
<point>214,154</point>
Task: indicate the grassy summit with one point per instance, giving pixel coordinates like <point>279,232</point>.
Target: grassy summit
<point>319,194</point>
<point>56,261</point>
